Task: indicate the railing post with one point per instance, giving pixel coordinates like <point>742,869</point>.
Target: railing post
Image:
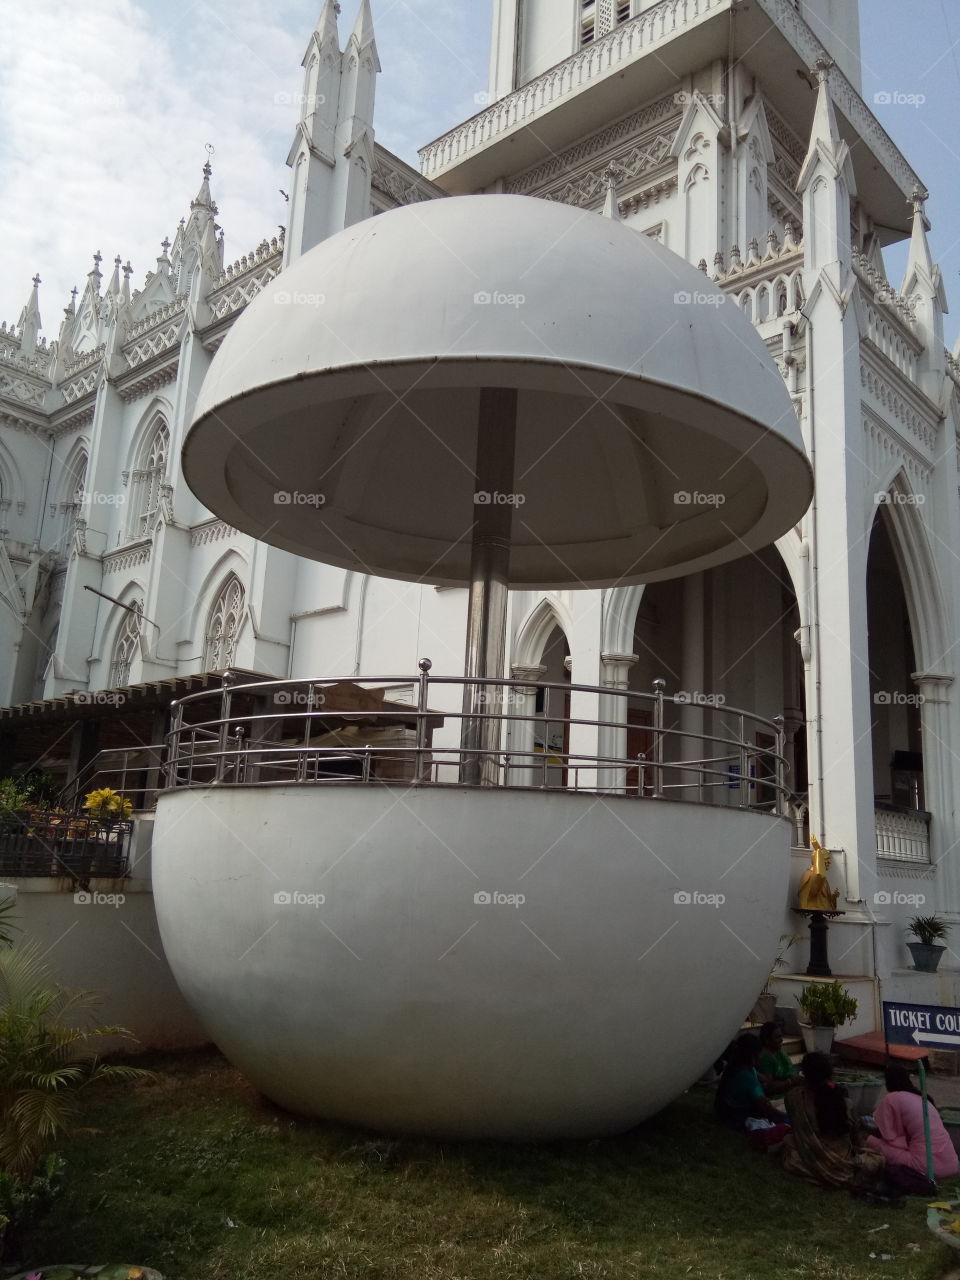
<point>224,735</point>
<point>781,766</point>
<point>659,685</point>
<point>744,765</point>
<point>423,700</point>
<point>240,769</point>
<point>176,725</point>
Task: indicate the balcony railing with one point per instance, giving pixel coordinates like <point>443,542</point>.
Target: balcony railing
<point>584,738</point>
<point>600,58</point>
<point>903,835</point>
<point>41,843</point>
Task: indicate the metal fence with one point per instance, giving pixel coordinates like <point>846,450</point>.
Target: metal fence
<point>553,737</point>
<point>41,843</point>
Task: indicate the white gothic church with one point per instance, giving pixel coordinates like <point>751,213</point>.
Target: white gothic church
<point>738,138</point>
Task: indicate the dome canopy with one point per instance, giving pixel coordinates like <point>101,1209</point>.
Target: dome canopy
<point>654,433</point>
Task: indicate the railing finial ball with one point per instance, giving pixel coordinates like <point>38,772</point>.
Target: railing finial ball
<point>659,684</point>
<point>778,721</point>
<point>425,665</point>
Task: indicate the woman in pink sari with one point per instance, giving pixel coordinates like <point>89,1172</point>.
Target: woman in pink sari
<point>899,1121</point>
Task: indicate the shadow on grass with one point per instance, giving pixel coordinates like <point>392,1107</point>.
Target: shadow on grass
<point>195,1174</point>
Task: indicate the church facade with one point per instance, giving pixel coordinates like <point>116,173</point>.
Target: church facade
<point>737,138</point>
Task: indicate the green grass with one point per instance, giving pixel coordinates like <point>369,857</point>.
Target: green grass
<point>160,1168</point>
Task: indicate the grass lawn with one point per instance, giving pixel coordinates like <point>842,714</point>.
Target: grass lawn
<point>196,1175</point>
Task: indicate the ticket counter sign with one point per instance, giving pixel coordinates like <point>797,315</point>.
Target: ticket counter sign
<point>921,1024</point>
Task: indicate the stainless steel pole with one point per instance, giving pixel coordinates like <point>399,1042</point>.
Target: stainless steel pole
<point>489,584</point>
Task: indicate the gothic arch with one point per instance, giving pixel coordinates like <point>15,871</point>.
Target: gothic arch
<point>535,631</point>
<point>918,572</point>
<point>224,625</point>
<point>149,474</point>
<point>11,480</point>
<point>620,608</point>
<point>125,630</point>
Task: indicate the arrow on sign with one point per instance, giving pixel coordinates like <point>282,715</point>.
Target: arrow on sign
<point>918,1036</point>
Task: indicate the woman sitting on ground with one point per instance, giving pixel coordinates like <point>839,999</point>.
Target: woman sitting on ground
<point>899,1122</point>
<point>740,1096</point>
<point>826,1144</point>
<point>777,1072</point>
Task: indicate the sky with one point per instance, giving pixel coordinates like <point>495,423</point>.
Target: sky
<point>108,107</point>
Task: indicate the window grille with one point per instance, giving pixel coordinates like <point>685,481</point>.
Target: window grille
<point>125,647</point>
<point>223,627</point>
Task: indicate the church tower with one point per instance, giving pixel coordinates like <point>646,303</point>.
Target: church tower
<point>532,36</point>
<point>332,152</point>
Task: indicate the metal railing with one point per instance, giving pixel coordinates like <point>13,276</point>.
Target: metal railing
<point>135,772</point>
<point>691,747</point>
<point>40,842</point>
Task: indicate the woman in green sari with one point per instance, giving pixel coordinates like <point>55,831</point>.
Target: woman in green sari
<point>826,1144</point>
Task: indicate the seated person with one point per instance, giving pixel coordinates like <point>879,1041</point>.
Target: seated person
<point>740,1096</point>
<point>777,1072</point>
<point>899,1123</point>
<point>826,1142</point>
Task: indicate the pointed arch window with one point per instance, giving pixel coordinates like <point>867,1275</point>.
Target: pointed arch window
<point>223,626</point>
<point>73,493</point>
<point>149,480</point>
<point>125,646</point>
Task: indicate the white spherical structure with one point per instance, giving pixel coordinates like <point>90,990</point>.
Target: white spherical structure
<point>402,1003</point>
<point>349,416</point>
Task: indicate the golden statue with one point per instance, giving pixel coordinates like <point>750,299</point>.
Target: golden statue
<point>815,893</point>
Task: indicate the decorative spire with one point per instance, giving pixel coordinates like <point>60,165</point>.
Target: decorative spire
<point>824,134</point>
<point>94,276</point>
<point>922,276</point>
<point>203,198</point>
<point>125,287</point>
<point>70,309</point>
<point>363,30</point>
<point>29,325</point>
<point>113,289</point>
<point>327,31</point>
<point>612,175</point>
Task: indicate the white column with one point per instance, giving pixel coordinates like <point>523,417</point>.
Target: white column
<point>521,733</point>
<point>938,777</point>
<point>615,675</point>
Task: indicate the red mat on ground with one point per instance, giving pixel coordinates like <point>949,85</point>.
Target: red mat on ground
<point>871,1048</point>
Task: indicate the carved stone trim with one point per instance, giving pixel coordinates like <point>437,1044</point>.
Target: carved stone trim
<point>211,531</point>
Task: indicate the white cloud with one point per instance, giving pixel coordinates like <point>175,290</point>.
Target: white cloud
<point>108,107</point>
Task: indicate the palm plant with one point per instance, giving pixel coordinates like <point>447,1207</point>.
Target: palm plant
<point>928,930</point>
<point>46,1035</point>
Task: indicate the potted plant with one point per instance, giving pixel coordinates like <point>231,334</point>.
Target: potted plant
<point>825,1006</point>
<point>926,951</point>
<point>765,1006</point>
